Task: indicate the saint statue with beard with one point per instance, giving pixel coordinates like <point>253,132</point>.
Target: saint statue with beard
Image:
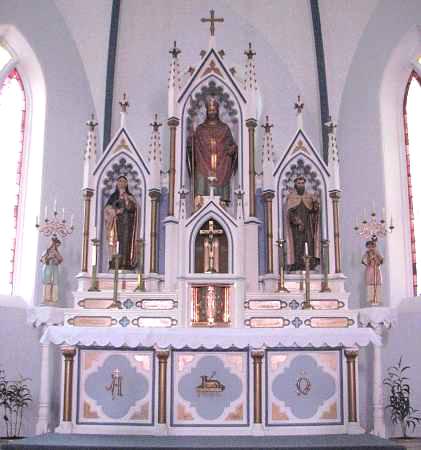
<point>302,221</point>
<point>212,152</point>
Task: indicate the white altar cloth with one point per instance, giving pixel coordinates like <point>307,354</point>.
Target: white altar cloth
<point>209,338</point>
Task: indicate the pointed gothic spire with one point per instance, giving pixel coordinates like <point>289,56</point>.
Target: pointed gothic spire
<point>267,157</point>
<point>155,155</point>
<point>89,158</point>
<point>250,81</point>
<point>174,79</point>
<point>124,106</point>
<point>333,160</point>
<point>183,207</point>
<point>299,106</point>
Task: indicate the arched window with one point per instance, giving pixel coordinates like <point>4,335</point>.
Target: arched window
<point>411,115</point>
<point>12,120</point>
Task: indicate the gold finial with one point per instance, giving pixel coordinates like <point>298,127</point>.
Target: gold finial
<point>124,103</point>
<point>155,125</point>
<point>174,52</point>
<point>250,52</point>
<point>267,126</point>
<point>92,123</point>
<point>212,21</point>
<point>299,105</point>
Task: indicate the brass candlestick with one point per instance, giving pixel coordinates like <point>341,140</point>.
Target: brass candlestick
<point>281,245</point>
<point>325,281</point>
<point>140,281</point>
<point>116,303</point>
<point>307,304</point>
<point>94,280</point>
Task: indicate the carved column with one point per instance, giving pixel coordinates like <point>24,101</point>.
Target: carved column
<point>251,125</point>
<point>155,196</point>
<point>162,398</point>
<point>87,195</point>
<point>351,359</point>
<point>267,197</point>
<point>68,353</point>
<point>257,370</point>
<point>173,124</point>
<point>335,196</point>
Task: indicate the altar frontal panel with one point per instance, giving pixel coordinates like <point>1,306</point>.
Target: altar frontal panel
<point>116,387</point>
<point>304,387</point>
<point>210,388</point>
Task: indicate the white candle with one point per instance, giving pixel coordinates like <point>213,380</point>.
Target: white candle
<point>95,235</point>
<point>93,255</point>
<point>306,248</point>
<point>62,211</point>
<point>391,221</point>
<point>383,213</point>
<point>374,207</point>
<point>55,205</point>
<point>71,220</point>
<point>117,247</point>
<point>45,211</point>
<point>37,221</point>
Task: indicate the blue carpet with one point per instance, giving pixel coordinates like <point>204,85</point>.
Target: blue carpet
<point>54,441</point>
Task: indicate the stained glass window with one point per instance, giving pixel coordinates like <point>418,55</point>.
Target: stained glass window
<point>12,123</point>
<point>412,113</point>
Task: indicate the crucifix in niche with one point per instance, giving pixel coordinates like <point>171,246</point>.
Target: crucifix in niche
<point>211,249</point>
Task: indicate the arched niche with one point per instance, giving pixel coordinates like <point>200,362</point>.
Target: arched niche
<point>193,113</point>
<point>303,166</point>
<point>211,248</point>
<point>121,164</point>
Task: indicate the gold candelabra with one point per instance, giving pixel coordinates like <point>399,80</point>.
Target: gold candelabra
<point>140,286</point>
<point>281,245</point>
<point>373,228</point>
<point>307,303</point>
<point>55,226</point>
<point>94,280</point>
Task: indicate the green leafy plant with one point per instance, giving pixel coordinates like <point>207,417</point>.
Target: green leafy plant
<point>400,408</point>
<point>15,396</point>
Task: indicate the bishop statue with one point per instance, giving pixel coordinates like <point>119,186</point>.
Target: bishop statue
<point>213,154</point>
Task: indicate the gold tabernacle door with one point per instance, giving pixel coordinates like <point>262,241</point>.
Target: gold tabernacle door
<point>210,306</point>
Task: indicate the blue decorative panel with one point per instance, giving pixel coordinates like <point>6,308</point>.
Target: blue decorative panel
<point>210,388</point>
<point>304,387</point>
<point>115,387</point>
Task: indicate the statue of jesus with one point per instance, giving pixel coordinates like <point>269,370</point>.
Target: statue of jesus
<point>213,153</point>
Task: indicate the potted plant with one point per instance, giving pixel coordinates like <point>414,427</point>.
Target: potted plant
<point>15,396</point>
<point>401,411</point>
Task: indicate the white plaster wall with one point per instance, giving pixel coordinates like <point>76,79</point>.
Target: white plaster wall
<point>281,33</point>
<point>362,145</point>
<point>89,24</point>
<point>343,23</point>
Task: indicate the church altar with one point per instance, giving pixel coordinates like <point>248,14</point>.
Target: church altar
<point>211,298</point>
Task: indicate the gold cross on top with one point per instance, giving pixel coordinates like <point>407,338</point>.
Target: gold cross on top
<point>212,21</point>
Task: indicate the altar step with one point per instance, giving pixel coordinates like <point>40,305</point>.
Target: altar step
<point>102,442</point>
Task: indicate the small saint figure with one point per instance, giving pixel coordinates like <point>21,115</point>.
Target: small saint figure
<point>121,224</point>
<point>372,260</point>
<point>211,306</point>
<point>212,153</point>
<point>51,259</point>
<point>302,219</point>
